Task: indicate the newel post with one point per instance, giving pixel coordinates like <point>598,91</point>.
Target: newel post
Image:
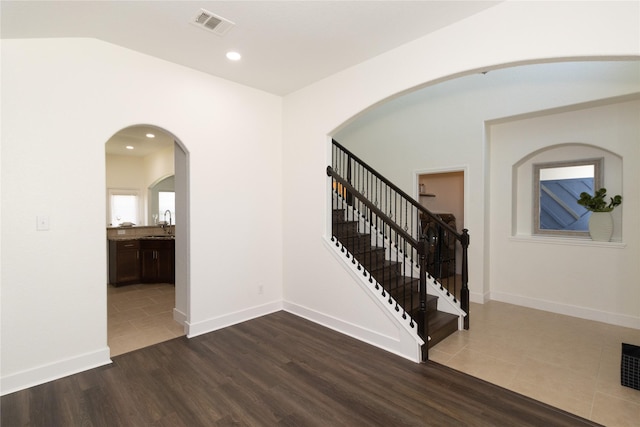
<point>464,292</point>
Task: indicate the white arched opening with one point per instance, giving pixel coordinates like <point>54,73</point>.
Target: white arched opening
<point>160,163</point>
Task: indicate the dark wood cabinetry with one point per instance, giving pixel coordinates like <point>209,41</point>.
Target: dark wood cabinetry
<point>124,262</point>
<point>141,261</point>
<point>157,261</point>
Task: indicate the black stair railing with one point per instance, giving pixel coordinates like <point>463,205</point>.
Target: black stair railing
<point>391,236</point>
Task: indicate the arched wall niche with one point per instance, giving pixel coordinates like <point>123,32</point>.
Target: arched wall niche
<point>523,185</point>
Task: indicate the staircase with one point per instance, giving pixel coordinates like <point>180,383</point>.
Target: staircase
<point>411,256</point>
<point>389,275</point>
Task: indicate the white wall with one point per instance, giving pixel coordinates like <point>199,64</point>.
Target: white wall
<point>443,127</point>
<point>506,34</point>
<point>579,277</point>
<point>158,165</point>
<point>125,172</point>
<point>62,100</point>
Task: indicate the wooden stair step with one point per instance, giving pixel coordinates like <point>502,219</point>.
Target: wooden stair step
<point>373,259</point>
<point>358,242</point>
<point>385,271</point>
<point>411,295</point>
<point>385,265</point>
<point>432,303</point>
<point>441,325</point>
<point>369,253</point>
<point>403,289</point>
<point>400,283</point>
<point>345,228</point>
<point>338,215</point>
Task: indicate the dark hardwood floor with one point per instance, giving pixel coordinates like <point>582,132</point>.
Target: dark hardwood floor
<point>278,370</point>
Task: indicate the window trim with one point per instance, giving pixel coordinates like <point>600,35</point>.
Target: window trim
<point>598,179</point>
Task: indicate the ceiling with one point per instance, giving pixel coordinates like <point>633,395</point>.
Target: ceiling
<point>285,45</point>
<point>136,137</point>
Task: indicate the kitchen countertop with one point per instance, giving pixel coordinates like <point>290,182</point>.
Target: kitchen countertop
<point>167,237</point>
<point>153,232</point>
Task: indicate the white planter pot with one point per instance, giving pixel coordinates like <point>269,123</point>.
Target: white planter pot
<point>601,226</point>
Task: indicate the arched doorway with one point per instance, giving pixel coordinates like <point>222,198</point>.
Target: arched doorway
<point>151,304</point>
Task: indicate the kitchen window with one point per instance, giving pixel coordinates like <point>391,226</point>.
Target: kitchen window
<point>167,202</point>
<point>124,207</point>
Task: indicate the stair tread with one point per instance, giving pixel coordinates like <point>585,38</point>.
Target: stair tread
<point>402,288</point>
<point>439,318</point>
<point>345,228</point>
<point>441,325</point>
<point>371,249</point>
<point>356,235</point>
<point>342,221</point>
<point>414,298</point>
<point>384,265</point>
<point>400,284</point>
<point>357,239</point>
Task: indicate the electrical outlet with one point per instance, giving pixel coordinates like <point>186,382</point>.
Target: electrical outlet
<point>260,289</point>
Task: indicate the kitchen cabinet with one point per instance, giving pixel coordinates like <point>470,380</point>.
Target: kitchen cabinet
<point>145,260</point>
<point>124,262</point>
<point>157,260</point>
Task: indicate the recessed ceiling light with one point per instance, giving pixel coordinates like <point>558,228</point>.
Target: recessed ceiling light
<point>150,135</point>
<point>129,147</point>
<point>233,56</point>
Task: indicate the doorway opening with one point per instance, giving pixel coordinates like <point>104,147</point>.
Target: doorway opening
<point>442,193</point>
<point>147,262</point>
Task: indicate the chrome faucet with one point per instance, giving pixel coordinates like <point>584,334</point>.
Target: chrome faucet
<point>165,219</point>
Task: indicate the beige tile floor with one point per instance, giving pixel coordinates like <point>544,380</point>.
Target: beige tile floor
<point>570,363</point>
<point>139,316</point>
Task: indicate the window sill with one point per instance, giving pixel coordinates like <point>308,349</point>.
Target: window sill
<point>567,241</point>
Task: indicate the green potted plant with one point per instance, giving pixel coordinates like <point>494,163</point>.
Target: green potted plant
<point>597,202</point>
<point>600,222</point>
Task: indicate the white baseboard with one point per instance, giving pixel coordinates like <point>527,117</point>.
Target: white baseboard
<point>406,347</point>
<point>478,298</point>
<point>568,310</point>
<point>53,371</point>
<point>213,324</point>
<point>179,316</point>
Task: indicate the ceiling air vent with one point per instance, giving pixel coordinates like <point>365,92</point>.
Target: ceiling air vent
<point>213,23</point>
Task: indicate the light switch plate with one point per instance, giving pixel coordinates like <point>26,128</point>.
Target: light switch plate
<point>42,223</point>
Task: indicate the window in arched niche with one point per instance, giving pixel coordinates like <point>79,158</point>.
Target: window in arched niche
<point>556,189</point>
<point>549,164</point>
